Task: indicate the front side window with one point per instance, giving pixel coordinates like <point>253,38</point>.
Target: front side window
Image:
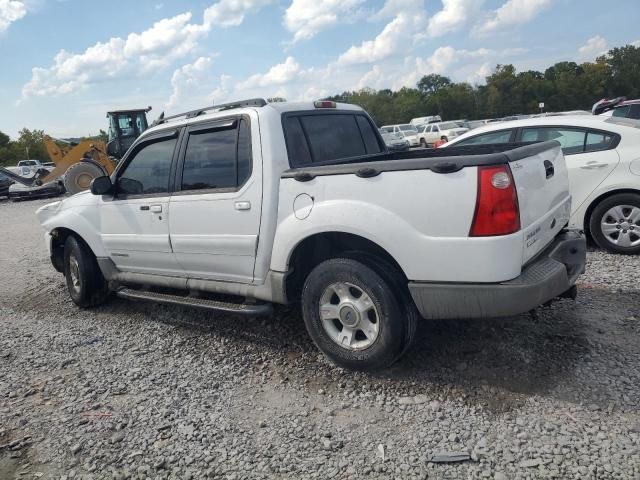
<point>571,140</point>
<point>502,136</point>
<point>217,158</point>
<point>148,170</point>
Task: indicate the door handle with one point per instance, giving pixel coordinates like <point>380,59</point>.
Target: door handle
<point>243,205</point>
<point>156,208</point>
<point>593,165</point>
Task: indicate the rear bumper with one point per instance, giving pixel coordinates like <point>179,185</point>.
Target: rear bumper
<point>551,274</point>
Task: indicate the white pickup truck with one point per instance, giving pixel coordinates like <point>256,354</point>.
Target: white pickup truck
<point>302,203</point>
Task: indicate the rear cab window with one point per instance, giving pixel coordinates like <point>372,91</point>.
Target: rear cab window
<point>316,138</point>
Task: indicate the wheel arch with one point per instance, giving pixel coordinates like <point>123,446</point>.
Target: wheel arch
<point>59,237</point>
<point>596,201</point>
<point>318,247</point>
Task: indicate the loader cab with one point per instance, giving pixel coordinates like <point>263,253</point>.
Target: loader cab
<point>125,126</point>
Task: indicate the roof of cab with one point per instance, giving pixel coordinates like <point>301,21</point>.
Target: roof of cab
<point>210,112</point>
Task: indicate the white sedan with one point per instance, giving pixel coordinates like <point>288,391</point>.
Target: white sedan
<point>603,158</point>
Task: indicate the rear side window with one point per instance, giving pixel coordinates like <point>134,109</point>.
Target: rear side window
<point>502,136</point>
<point>571,140</point>
<point>597,141</point>
<point>217,158</point>
<point>323,138</point>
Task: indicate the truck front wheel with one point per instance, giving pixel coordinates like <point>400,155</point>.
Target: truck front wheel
<point>87,287</point>
<point>353,315</point>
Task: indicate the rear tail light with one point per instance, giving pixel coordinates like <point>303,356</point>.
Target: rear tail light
<point>497,211</point>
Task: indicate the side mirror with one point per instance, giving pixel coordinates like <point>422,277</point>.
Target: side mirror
<point>101,186</point>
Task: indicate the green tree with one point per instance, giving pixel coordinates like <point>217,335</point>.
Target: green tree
<point>433,83</point>
<point>30,143</point>
<point>624,63</point>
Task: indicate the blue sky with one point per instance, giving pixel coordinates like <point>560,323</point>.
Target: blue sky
<point>66,62</point>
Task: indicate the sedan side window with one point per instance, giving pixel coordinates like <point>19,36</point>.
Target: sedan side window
<point>597,141</point>
<point>571,140</point>
<point>503,136</point>
<point>148,171</point>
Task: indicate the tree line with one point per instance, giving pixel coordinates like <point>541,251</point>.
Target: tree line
<point>561,87</point>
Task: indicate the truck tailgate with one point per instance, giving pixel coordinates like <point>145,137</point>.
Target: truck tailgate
<point>542,184</point>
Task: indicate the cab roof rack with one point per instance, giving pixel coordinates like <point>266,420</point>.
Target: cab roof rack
<point>252,102</point>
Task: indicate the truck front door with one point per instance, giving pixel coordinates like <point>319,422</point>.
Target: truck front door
<point>134,223</point>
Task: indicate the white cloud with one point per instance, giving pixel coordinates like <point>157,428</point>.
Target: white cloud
<point>453,16</point>
<point>448,60</point>
<point>409,19</point>
<point>189,80</point>
<point>594,47</point>
<point>230,13</point>
<point>306,18</point>
<point>513,12</point>
<point>158,47</point>
<point>155,48</point>
<point>11,11</point>
<point>279,74</point>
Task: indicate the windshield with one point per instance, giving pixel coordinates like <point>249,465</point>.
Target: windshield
<point>389,137</point>
<point>407,127</point>
<point>449,126</point>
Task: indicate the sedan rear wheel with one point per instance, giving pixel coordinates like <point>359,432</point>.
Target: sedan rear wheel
<point>615,224</point>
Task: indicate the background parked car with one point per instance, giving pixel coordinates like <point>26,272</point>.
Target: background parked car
<point>626,109</point>
<point>22,192</point>
<point>5,183</point>
<point>394,142</point>
<point>603,159</point>
<point>405,130</point>
<point>416,122</point>
<point>430,134</point>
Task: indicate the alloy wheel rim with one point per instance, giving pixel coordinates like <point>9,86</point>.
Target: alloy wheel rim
<point>74,270</point>
<point>349,316</point>
<point>620,225</point>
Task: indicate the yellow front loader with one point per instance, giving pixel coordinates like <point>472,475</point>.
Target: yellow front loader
<point>78,164</point>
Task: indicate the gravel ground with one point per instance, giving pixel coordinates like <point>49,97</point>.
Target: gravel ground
<point>145,391</point>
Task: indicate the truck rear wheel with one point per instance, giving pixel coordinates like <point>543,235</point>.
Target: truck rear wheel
<point>615,224</point>
<point>85,282</point>
<point>353,315</point>
<point>79,176</point>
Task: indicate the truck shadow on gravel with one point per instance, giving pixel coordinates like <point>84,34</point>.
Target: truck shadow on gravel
<point>494,363</point>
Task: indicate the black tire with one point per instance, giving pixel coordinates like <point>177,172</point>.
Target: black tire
<point>399,284</point>
<point>86,285</point>
<point>78,176</point>
<point>633,231</point>
<point>394,326</point>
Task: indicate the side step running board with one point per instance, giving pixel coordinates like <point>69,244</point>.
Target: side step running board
<point>236,308</point>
